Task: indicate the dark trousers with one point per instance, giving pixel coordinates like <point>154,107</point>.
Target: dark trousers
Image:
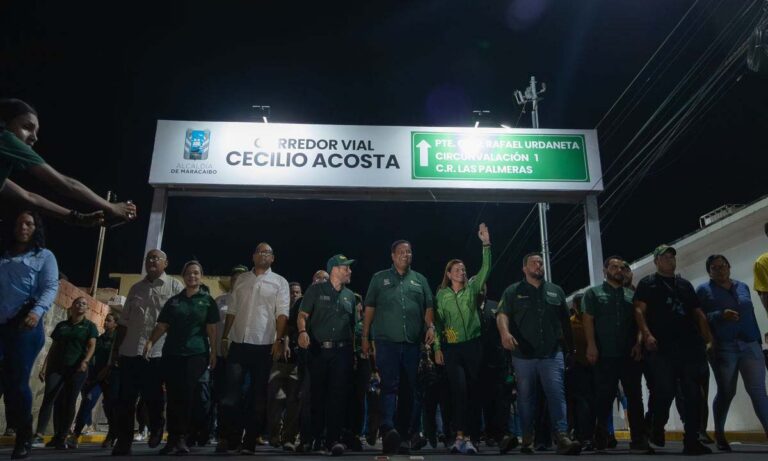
<point>581,389</point>
<point>495,402</point>
<point>361,375</point>
<point>305,397</point>
<point>436,395</point>
<point>145,378</point>
<point>186,381</point>
<point>462,367</point>
<point>392,359</point>
<point>61,389</point>
<point>608,373</point>
<point>218,386</point>
<point>331,371</point>
<point>19,349</point>
<point>669,368</point>
<point>246,412</point>
<point>703,383</point>
<point>283,406</point>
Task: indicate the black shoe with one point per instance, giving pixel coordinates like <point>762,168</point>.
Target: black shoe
<point>491,442</point>
<point>611,442</point>
<point>222,446</point>
<point>721,443</point>
<point>566,446</point>
<point>390,443</point>
<point>641,448</point>
<point>21,450</point>
<point>432,439</point>
<point>587,446</point>
<point>59,443</point>
<point>404,448</point>
<point>695,448</point>
<point>121,449</point>
<point>181,447</point>
<point>154,439</point>
<point>705,438</point>
<point>337,449</point>
<point>353,443</point>
<point>505,445</point>
<point>443,439</point>
<point>657,437</point>
<point>418,442</point>
<point>525,448</point>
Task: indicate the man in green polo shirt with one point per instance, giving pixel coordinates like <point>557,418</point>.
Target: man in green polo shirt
<point>326,323</point>
<point>399,305</point>
<point>534,323</point>
<point>615,350</point>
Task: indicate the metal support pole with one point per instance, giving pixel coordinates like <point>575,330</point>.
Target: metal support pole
<point>594,240</point>
<point>156,222</point>
<point>532,96</point>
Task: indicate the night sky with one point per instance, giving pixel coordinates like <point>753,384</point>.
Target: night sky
<point>102,73</point>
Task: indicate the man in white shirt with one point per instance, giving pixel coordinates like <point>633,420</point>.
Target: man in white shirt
<point>253,334</point>
<point>138,376</point>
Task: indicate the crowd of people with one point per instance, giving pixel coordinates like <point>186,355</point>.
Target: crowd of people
<point>406,363</point>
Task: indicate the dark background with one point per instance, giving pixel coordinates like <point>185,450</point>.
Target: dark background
<point>102,74</point>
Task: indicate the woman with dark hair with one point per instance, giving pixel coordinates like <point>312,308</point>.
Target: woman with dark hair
<point>29,280</point>
<point>457,342</point>
<point>65,370</point>
<point>98,383</point>
<point>189,352</point>
<point>18,133</point>
<point>737,351</point>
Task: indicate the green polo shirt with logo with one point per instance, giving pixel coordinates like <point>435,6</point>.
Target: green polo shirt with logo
<point>614,313</point>
<point>187,318</point>
<point>15,155</point>
<point>331,312</point>
<point>400,302</point>
<point>537,317</point>
<point>70,343</point>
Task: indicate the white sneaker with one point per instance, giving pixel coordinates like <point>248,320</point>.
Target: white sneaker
<point>140,436</point>
<point>458,446</point>
<point>469,448</point>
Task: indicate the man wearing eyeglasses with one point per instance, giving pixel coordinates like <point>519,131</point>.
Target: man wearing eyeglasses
<point>253,336</point>
<point>139,376</point>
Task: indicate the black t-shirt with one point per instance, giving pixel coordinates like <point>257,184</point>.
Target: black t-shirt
<point>670,302</point>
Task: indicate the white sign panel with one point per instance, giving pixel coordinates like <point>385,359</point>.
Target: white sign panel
<point>234,155</point>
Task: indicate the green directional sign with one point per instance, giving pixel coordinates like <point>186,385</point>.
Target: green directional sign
<point>499,157</point>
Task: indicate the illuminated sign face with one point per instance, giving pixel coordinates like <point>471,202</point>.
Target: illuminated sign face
<point>393,158</point>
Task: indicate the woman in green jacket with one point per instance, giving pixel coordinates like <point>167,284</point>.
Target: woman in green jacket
<point>457,343</point>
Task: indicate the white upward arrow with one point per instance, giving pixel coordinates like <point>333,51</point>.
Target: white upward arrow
<point>423,152</point>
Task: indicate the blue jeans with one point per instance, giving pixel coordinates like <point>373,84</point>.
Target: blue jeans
<point>550,372</point>
<point>391,359</point>
<point>731,359</point>
<point>19,349</point>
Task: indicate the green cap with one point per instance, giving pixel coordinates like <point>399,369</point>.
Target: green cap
<point>239,269</point>
<point>338,260</point>
<point>663,248</point>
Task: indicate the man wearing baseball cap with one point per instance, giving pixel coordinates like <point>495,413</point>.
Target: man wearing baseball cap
<point>674,331</point>
<point>326,324</point>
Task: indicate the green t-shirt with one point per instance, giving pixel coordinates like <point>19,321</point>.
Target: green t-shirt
<point>15,155</point>
<point>103,349</point>
<point>187,318</point>
<point>400,302</point>
<point>70,343</point>
<point>331,312</point>
<point>614,313</point>
<point>536,318</point>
